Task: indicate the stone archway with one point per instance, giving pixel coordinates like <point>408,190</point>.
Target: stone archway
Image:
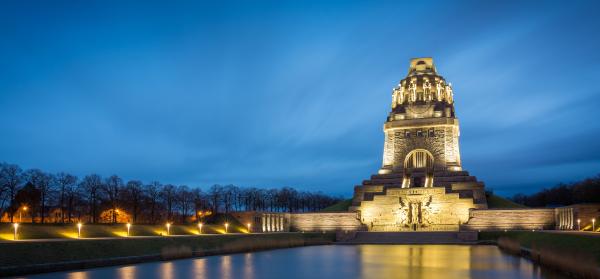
<point>418,169</point>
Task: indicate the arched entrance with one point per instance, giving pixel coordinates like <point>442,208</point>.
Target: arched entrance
<point>418,169</point>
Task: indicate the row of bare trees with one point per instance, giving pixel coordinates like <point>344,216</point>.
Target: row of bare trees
<point>62,197</point>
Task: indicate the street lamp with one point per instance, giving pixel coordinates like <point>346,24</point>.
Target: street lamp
<point>249,226</point>
<point>16,226</point>
<point>578,224</point>
<point>79,225</point>
<point>593,224</point>
<point>168,228</point>
<point>200,228</point>
<point>128,227</point>
<point>226,226</point>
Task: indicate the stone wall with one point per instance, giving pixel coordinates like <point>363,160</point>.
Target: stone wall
<point>325,221</point>
<point>510,219</point>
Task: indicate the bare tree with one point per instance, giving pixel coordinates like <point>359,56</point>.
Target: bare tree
<point>10,179</point>
<point>112,185</point>
<point>92,184</point>
<point>185,201</point>
<point>134,194</point>
<point>65,183</point>
<point>168,197</point>
<point>43,182</point>
<point>152,192</point>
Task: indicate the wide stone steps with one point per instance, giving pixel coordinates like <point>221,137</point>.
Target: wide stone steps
<point>410,238</point>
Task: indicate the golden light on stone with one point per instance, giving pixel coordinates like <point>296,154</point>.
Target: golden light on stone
<point>421,184</point>
<point>200,228</point>
<point>226,227</point>
<point>128,228</point>
<point>249,227</point>
<point>79,225</point>
<point>168,225</point>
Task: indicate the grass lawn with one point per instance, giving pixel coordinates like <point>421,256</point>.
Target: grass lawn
<point>14,253</point>
<point>340,206</point>
<point>564,242</point>
<point>500,202</point>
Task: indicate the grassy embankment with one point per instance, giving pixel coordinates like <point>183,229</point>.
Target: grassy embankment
<point>497,202</point>
<point>340,206</point>
<point>578,255</point>
<point>39,231</point>
<point>42,256</point>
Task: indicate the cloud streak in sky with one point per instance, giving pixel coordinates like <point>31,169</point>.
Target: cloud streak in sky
<point>293,94</point>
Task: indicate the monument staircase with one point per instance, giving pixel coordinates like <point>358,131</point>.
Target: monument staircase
<point>460,182</point>
<point>407,238</point>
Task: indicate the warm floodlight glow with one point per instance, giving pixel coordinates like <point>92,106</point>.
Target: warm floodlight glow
<point>593,224</point>
<point>16,226</point>
<point>200,228</point>
<point>578,224</point>
<point>21,211</point>
<point>79,225</point>
<point>128,227</point>
<point>168,228</point>
<point>226,227</point>
<point>249,228</point>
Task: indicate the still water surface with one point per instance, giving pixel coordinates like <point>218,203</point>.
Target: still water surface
<point>334,261</point>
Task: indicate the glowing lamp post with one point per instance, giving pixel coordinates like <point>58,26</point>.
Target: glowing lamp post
<point>79,225</point>
<point>594,225</point>
<point>578,224</point>
<point>128,228</point>
<point>226,227</point>
<point>249,228</point>
<point>200,228</point>
<point>16,226</point>
<point>168,228</point>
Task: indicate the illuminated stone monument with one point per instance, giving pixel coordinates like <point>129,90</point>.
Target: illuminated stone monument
<point>421,185</point>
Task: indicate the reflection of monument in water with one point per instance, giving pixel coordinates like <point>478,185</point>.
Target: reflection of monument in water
<point>421,185</point>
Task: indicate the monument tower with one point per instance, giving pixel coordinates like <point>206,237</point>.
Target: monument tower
<point>421,184</point>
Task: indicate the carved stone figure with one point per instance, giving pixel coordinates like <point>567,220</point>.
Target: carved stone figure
<point>413,91</point>
<point>427,90</point>
<point>449,95</point>
<point>439,87</point>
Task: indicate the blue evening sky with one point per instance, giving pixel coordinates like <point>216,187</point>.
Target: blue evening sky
<point>281,93</point>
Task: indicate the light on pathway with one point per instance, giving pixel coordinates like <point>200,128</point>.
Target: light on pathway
<point>79,225</point>
<point>226,227</point>
<point>16,226</point>
<point>128,228</point>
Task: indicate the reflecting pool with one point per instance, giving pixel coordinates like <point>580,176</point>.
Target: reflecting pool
<point>335,261</point>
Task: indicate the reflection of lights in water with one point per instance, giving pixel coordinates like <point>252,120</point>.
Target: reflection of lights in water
<point>127,272</point>
<point>199,269</point>
<point>416,261</point>
<point>226,267</point>
<point>167,271</point>
<point>248,266</point>
<point>77,275</point>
